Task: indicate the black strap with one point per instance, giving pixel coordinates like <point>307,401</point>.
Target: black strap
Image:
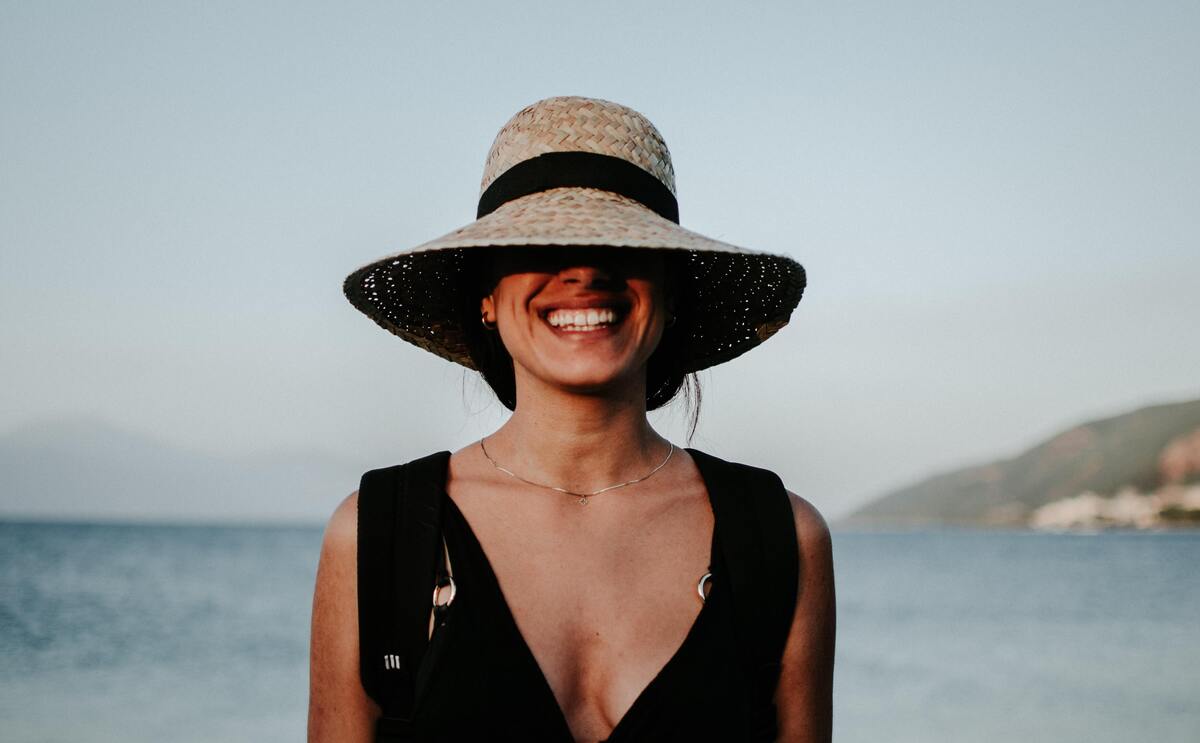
<point>399,548</point>
<point>760,551</point>
<point>582,169</point>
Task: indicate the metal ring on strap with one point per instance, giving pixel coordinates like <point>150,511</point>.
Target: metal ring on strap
<point>437,591</point>
<point>706,578</point>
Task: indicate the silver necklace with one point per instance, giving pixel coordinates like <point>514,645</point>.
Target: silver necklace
<point>583,497</point>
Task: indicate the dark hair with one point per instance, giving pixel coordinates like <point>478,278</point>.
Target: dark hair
<point>665,377</point>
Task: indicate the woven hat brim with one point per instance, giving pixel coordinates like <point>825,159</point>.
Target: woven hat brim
<point>741,297</point>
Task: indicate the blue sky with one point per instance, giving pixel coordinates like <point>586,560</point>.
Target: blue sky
<point>996,204</point>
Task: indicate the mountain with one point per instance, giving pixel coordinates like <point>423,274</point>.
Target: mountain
<point>84,468</point>
<point>1140,468</point>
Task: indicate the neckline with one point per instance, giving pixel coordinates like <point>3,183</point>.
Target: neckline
<point>648,691</point>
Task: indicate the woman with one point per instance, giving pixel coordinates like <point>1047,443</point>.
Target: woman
<point>592,581</point>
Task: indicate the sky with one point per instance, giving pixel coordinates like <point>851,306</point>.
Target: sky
<point>997,205</point>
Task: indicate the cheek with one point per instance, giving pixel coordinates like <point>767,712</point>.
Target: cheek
<point>654,299</point>
<point>509,295</point>
<point>512,313</point>
<point>510,298</point>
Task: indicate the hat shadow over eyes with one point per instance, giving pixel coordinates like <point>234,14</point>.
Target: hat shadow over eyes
<point>618,263</point>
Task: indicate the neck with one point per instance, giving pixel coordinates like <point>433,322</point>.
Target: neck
<point>581,442</point>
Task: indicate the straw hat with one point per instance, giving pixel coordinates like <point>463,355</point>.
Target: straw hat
<point>571,171</point>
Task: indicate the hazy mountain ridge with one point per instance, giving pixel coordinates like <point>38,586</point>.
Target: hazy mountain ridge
<point>88,468</point>
<point>1133,469</point>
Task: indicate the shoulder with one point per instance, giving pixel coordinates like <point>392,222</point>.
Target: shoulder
<point>341,531</point>
<point>812,531</point>
<point>339,708</point>
<point>809,523</point>
<point>815,593</point>
<point>804,695</point>
<point>336,570</point>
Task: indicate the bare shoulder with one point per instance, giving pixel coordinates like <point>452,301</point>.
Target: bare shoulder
<point>337,571</point>
<point>812,531</point>
<point>804,697</point>
<point>341,532</point>
<point>338,707</point>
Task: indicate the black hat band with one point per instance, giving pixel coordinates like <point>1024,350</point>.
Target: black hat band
<point>579,170</point>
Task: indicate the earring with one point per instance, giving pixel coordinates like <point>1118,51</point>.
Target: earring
<point>483,319</point>
<point>671,320</point>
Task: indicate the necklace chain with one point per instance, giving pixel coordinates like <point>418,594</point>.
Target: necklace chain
<point>583,497</point>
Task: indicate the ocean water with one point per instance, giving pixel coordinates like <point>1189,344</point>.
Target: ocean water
<point>189,633</point>
<point>973,636</point>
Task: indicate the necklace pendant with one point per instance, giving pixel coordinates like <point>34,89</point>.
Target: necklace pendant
<point>583,500</point>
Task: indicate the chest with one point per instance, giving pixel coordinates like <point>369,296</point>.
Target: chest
<point>598,612</point>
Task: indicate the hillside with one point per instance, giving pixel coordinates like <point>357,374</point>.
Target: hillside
<point>1140,468</point>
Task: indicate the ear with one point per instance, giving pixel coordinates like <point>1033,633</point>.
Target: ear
<point>487,308</point>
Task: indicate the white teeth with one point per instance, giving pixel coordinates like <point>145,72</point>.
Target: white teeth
<point>588,319</point>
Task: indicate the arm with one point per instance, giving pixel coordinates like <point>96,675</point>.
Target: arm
<point>804,697</point>
<point>338,707</point>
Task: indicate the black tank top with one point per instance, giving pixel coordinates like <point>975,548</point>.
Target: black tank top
<point>482,682</point>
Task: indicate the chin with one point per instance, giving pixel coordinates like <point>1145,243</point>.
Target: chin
<point>592,381</point>
<point>587,376</point>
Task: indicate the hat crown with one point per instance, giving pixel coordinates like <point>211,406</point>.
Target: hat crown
<point>576,124</point>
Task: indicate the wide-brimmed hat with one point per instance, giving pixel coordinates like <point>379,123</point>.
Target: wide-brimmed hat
<point>581,172</point>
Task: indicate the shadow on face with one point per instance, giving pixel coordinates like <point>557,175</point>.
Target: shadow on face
<point>618,264</point>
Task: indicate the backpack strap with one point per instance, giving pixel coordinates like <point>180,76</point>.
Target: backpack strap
<point>761,554</point>
<point>399,549</point>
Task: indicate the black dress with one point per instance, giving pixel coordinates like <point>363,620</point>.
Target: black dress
<point>482,682</point>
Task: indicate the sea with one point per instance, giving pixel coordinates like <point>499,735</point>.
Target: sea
<point>200,633</point>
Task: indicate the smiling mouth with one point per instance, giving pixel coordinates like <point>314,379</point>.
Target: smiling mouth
<point>583,320</point>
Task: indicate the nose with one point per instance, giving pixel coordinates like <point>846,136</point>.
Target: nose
<point>588,276</point>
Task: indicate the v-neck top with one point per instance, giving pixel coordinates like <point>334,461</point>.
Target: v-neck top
<point>484,682</point>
